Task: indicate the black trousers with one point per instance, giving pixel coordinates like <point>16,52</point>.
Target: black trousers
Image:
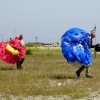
<point>19,63</point>
<point>84,67</point>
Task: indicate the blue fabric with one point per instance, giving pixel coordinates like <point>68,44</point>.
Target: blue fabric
<point>74,46</point>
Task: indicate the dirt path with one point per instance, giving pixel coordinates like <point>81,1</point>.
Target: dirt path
<point>93,96</point>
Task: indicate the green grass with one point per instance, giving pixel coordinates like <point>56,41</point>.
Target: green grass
<point>41,74</point>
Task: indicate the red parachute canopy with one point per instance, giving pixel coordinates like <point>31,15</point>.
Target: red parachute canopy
<point>11,51</point>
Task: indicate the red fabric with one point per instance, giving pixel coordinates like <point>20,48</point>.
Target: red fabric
<point>7,56</point>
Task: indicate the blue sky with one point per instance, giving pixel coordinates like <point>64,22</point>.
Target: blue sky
<point>47,19</point>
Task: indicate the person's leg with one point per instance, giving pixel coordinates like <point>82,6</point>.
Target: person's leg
<point>88,72</point>
<point>80,70</point>
<point>18,64</point>
<point>21,62</point>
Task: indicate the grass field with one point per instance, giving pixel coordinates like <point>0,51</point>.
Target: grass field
<point>47,73</point>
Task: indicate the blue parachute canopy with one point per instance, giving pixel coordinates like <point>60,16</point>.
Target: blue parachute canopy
<point>74,44</point>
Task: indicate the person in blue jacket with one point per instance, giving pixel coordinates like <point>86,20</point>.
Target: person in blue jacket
<point>76,44</point>
<point>90,44</point>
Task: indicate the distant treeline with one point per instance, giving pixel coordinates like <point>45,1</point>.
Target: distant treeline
<point>34,44</point>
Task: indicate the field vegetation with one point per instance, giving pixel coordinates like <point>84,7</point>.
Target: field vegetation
<point>46,72</point>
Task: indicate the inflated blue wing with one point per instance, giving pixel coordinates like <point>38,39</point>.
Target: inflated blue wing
<point>74,44</point>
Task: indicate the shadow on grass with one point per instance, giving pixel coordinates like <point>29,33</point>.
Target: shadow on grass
<point>7,68</point>
<point>71,77</point>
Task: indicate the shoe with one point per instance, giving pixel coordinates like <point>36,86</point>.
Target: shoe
<point>88,76</point>
<point>78,74</point>
<point>19,66</point>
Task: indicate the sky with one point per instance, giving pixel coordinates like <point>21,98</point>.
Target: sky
<point>47,20</point>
